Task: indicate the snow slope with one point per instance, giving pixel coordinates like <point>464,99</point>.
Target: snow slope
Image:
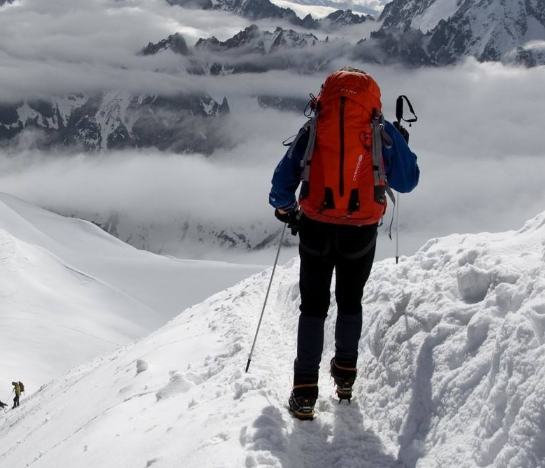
<point>452,374</point>
<point>70,292</point>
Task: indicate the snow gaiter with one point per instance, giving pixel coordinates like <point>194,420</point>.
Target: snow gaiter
<point>347,338</point>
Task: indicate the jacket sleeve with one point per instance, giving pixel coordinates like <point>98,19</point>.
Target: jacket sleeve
<point>287,176</point>
<point>400,163</point>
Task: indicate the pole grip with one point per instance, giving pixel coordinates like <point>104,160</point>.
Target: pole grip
<point>399,109</point>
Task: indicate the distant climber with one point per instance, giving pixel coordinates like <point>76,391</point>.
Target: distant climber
<point>17,389</point>
<point>346,157</point>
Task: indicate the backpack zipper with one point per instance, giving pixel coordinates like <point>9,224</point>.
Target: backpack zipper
<point>341,175</point>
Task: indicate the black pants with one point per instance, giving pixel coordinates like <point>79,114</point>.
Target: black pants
<point>16,401</point>
<point>324,248</point>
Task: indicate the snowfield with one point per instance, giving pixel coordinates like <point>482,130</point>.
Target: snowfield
<point>70,292</point>
<point>451,374</point>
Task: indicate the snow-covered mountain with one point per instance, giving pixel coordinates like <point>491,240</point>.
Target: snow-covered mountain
<point>265,9</point>
<point>451,374</point>
<point>252,39</point>
<point>367,7</point>
<point>116,120</point>
<point>489,30</point>
<point>70,292</point>
<point>414,33</point>
<point>179,236</point>
<point>253,50</point>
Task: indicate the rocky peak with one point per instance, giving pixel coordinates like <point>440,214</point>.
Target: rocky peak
<point>341,18</point>
<point>176,43</point>
<point>245,37</point>
<point>263,42</point>
<point>289,39</point>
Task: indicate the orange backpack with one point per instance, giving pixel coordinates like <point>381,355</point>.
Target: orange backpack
<point>343,180</point>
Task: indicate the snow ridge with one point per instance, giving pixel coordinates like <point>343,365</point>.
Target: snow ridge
<point>451,373</point>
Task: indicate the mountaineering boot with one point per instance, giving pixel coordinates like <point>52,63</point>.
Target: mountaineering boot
<point>303,396</point>
<point>344,375</point>
<point>302,407</point>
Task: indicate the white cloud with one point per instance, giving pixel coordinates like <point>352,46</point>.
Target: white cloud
<point>479,137</point>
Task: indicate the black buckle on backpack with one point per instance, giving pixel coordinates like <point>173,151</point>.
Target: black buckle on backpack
<point>380,194</point>
<point>354,202</point>
<point>329,202</point>
<point>305,190</point>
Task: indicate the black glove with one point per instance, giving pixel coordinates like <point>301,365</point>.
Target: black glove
<point>291,218</point>
<point>402,130</point>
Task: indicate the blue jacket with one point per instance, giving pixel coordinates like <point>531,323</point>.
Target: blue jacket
<point>400,165</point>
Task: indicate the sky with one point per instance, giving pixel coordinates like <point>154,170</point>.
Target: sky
<point>478,138</point>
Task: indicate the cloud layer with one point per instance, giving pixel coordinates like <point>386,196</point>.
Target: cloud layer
<point>478,137</point>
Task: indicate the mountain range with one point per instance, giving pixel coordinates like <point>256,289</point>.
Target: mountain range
<point>264,9</point>
<point>443,32</point>
<point>413,33</point>
<point>187,122</point>
<point>251,51</point>
<point>428,32</point>
<point>367,7</point>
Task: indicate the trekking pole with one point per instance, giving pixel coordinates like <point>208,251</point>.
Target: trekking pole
<point>399,116</point>
<point>397,228</point>
<point>266,297</point>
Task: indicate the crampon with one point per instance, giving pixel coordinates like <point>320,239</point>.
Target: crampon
<point>302,407</point>
<point>344,378</point>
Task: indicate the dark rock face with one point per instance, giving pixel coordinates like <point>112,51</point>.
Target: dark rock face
<point>406,49</point>
<point>3,2</point>
<point>176,43</point>
<point>118,120</point>
<point>341,18</point>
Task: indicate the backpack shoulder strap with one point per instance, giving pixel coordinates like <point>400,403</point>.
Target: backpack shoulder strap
<point>312,126</point>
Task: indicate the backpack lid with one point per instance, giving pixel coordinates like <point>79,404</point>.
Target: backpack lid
<point>357,86</point>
